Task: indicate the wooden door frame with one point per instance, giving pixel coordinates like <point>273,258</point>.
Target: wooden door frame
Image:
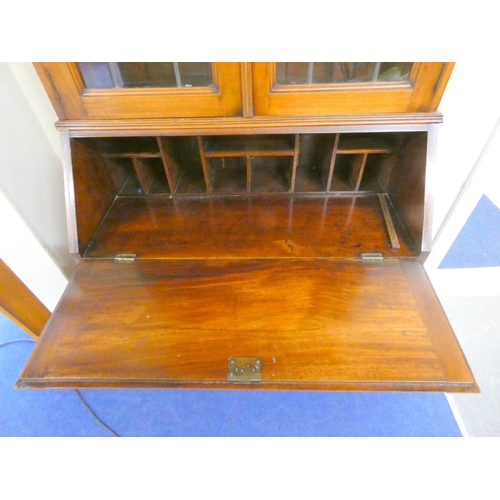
<point>19,304</point>
<point>422,94</point>
<point>65,88</point>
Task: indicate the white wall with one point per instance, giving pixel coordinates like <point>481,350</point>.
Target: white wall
<point>33,240</point>
<point>27,258</point>
<point>471,109</point>
<point>30,169</point>
<point>33,90</point>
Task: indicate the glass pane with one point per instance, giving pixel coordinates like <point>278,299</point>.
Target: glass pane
<point>96,75</point>
<point>196,74</point>
<point>395,72</point>
<point>304,73</point>
<point>145,74</point>
<point>291,73</point>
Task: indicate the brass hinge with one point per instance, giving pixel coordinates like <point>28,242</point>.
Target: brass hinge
<point>125,258</point>
<point>244,370</point>
<point>372,257</point>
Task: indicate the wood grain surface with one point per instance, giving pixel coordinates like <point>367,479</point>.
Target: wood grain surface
<point>250,227</point>
<point>318,324</point>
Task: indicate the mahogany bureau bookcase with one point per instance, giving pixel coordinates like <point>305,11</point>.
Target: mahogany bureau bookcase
<point>248,225</point>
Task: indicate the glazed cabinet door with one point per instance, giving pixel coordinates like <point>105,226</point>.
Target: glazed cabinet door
<point>317,89</point>
<point>111,90</point>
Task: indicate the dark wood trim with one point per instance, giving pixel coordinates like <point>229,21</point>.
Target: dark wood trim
<point>295,163</point>
<point>247,126</point>
<point>20,304</point>
<point>26,382</point>
<point>170,164</point>
<point>332,162</point>
<point>207,170</point>
<point>69,194</point>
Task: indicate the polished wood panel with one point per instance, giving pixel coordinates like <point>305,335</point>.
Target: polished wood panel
<point>19,304</point>
<point>406,185</point>
<point>251,227</point>
<point>317,324</point>
<point>94,190</point>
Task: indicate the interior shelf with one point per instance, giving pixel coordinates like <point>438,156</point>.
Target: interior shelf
<point>301,163</point>
<point>256,145</point>
<point>365,143</point>
<point>127,147</point>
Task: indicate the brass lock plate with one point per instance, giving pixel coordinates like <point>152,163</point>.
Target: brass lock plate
<point>244,370</point>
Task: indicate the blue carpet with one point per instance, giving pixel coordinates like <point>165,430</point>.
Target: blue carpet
<point>138,412</point>
<point>478,243</point>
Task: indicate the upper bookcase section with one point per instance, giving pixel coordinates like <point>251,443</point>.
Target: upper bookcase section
<point>161,90</point>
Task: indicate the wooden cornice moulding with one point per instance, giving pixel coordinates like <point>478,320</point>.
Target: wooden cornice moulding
<point>255,125</point>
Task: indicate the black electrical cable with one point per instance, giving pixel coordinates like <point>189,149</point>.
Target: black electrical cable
<point>18,340</point>
<point>94,415</point>
<point>89,409</point>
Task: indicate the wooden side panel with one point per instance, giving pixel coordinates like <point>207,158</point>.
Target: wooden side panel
<point>406,186</point>
<point>170,163</point>
<point>316,324</point>
<point>19,303</point>
<point>94,191</point>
